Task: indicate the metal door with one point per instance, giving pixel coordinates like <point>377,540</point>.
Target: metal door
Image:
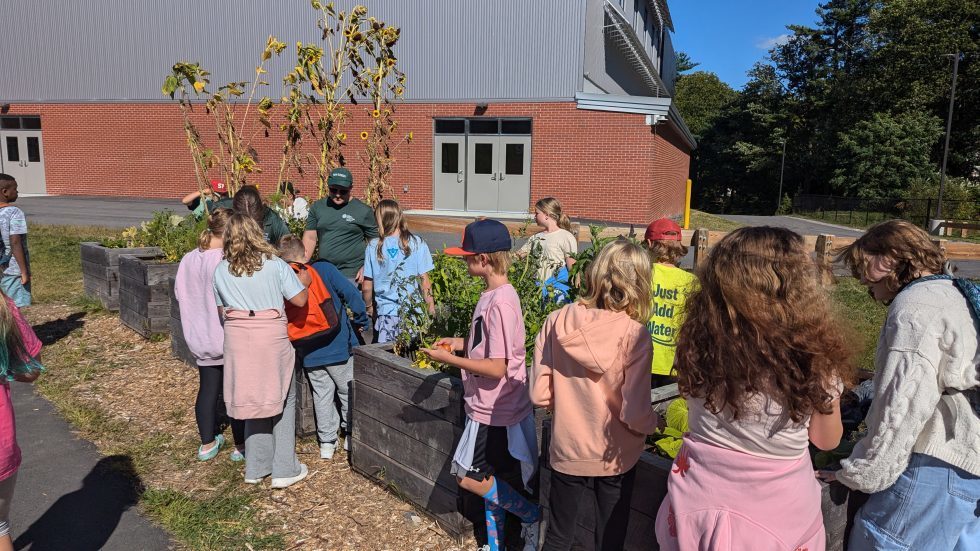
<point>482,173</point>
<point>450,169</point>
<point>22,156</point>
<point>514,174</point>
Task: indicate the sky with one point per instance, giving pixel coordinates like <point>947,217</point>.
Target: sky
<point>728,36</point>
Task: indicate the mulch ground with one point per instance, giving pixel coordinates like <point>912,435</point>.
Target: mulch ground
<point>138,383</point>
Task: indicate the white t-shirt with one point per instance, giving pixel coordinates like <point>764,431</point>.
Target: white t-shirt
<point>266,289</point>
<point>555,247</point>
<point>13,222</point>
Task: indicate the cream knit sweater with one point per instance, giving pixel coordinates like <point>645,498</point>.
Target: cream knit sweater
<point>927,354</point>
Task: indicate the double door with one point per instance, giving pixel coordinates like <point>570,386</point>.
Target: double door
<point>482,173</point>
<point>22,156</point>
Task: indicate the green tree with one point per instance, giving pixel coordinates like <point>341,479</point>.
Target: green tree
<point>883,155</point>
<point>700,97</point>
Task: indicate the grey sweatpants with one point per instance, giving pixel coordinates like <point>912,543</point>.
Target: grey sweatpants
<point>270,443</point>
<point>6,496</point>
<point>326,380</point>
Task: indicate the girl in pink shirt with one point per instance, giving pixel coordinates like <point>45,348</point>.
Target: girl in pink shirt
<point>592,369</point>
<point>19,354</point>
<point>761,362</point>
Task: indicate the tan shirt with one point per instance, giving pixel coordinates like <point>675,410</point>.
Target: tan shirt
<point>555,247</point>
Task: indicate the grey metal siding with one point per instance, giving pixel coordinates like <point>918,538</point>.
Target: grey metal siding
<point>97,50</point>
<point>606,67</point>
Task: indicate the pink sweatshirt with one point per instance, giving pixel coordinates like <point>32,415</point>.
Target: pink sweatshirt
<point>194,289</point>
<point>592,368</point>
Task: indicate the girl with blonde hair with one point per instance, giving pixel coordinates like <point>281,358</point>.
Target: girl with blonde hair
<point>205,338</point>
<point>396,266</point>
<point>920,460</point>
<point>250,286</point>
<point>557,244</point>
<point>762,363</point>
<point>592,368</point>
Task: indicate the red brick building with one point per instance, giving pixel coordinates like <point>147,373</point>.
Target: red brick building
<point>594,128</point>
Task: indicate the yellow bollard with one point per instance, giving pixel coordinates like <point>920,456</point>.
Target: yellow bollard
<point>687,205</point>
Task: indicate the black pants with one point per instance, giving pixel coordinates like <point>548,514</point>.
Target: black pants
<point>657,381</point>
<point>569,493</point>
<point>210,406</point>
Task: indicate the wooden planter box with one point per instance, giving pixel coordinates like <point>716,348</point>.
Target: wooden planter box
<point>144,293</point>
<point>178,346</point>
<point>406,423</point>
<point>100,271</point>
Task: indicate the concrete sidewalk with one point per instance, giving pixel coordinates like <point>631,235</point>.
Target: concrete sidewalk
<point>67,495</point>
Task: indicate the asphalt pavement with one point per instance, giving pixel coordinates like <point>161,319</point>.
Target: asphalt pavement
<point>67,495</point>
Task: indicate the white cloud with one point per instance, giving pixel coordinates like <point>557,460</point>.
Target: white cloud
<point>768,43</point>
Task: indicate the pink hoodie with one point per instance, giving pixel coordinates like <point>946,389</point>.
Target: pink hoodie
<point>592,368</point>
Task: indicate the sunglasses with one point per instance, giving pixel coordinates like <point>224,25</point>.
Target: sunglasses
<point>338,191</point>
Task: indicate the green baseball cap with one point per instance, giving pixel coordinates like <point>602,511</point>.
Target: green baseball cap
<point>340,177</point>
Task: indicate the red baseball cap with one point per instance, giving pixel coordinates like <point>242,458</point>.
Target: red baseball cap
<point>664,229</point>
<point>219,186</point>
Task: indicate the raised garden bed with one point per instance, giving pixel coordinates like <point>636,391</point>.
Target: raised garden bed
<point>144,293</point>
<point>100,271</point>
<point>406,423</point>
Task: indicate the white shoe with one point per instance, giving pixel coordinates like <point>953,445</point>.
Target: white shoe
<point>280,483</point>
<point>347,443</point>
<point>327,449</point>
<point>531,534</point>
<point>255,480</point>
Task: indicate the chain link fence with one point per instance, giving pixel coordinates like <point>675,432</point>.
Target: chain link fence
<point>862,212</point>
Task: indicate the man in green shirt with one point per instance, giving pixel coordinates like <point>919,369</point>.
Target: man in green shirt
<point>339,227</point>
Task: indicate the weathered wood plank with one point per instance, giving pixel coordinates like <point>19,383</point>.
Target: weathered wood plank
<point>404,417</point>
<point>96,271</point>
<point>113,255</point>
<point>428,392</point>
<point>131,299</point>
<point>382,353</point>
<point>133,267</point>
<point>437,502</point>
<point>427,462</point>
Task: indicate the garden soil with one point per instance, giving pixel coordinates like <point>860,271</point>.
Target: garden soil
<point>138,383</point>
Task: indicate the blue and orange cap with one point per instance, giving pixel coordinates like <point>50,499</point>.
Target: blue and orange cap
<point>482,236</point>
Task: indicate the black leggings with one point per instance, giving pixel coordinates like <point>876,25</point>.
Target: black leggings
<point>210,407</point>
<point>570,494</point>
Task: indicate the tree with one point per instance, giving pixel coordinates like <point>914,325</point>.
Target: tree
<point>684,63</point>
<point>700,97</point>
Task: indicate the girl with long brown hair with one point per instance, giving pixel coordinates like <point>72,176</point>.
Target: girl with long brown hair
<point>556,244</point>
<point>762,364</point>
<point>396,266</point>
<point>251,285</point>
<point>202,331</point>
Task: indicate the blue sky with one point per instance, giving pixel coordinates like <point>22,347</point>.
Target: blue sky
<point>728,36</point>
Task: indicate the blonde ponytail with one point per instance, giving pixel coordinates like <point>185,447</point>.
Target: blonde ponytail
<point>551,208</point>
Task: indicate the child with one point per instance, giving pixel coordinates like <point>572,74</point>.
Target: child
<point>330,367</point>
<point>292,204</point>
<point>201,325</point>
<point>215,197</point>
<point>19,352</point>
<point>391,265</point>
<point>248,201</point>
<point>591,367</point>
<point>499,429</point>
<point>761,362</point>
<point>671,286</point>
<point>16,263</point>
<point>250,285</point>
<point>556,241</point>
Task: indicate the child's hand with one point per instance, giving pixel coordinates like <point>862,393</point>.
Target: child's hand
<point>25,278</point>
<point>438,354</point>
<point>450,344</point>
<point>826,476</point>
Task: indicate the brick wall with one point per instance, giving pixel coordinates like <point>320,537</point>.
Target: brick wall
<point>603,166</point>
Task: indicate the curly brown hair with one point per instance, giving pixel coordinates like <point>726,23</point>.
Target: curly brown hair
<point>761,324</point>
<point>664,251</point>
<point>245,248</point>
<point>910,246</point>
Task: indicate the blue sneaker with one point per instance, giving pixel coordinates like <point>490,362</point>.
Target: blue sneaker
<point>237,455</point>
<point>219,441</point>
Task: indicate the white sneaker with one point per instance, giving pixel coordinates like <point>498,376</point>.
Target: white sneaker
<point>347,443</point>
<point>327,449</point>
<point>280,483</point>
<point>254,480</point>
<point>531,534</point>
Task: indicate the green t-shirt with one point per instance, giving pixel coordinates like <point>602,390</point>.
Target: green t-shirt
<point>273,227</point>
<point>223,203</point>
<point>342,233</point>
<point>670,287</point>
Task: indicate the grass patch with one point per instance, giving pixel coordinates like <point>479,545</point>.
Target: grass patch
<point>56,262</point>
<point>704,220</point>
<point>224,522</point>
<point>862,318</point>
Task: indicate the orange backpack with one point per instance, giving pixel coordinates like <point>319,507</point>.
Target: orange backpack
<point>316,323</point>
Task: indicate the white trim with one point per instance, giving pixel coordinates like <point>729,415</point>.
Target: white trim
<point>472,214</point>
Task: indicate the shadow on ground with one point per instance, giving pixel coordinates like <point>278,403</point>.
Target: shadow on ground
<point>84,519</point>
<point>53,331</point>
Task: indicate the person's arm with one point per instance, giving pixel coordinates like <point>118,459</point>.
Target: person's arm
<point>367,295</point>
<point>906,396</point>
<point>299,299</point>
<point>826,430</point>
<point>541,374</point>
<point>309,242</point>
<point>426,285</point>
<point>493,368</point>
<point>348,293</point>
<point>191,199</point>
<point>368,224</point>
<point>17,250</point>
<point>290,286</point>
<point>636,412</point>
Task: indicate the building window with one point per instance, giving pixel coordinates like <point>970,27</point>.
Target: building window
<point>16,123</point>
<point>484,126</point>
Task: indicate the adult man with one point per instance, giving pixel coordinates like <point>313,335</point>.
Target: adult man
<point>338,227</point>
